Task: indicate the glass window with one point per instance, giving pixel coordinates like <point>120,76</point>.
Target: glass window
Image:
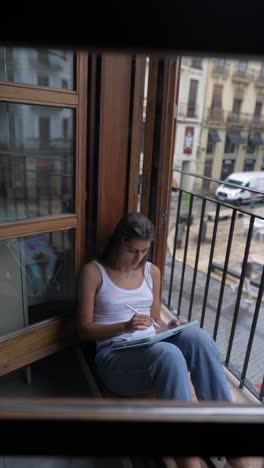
<point>196,62</point>
<point>36,160</point>
<point>210,149</point>
<point>22,65</point>
<point>191,107</point>
<point>229,146</point>
<point>36,279</point>
<point>251,148</point>
<point>249,165</point>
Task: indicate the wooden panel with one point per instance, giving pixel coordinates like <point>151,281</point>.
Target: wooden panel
<point>136,132</point>
<point>37,226</point>
<point>92,154</point>
<point>113,143</point>
<point>35,342</point>
<point>169,108</point>
<point>80,197</point>
<point>149,133</point>
<point>36,95</point>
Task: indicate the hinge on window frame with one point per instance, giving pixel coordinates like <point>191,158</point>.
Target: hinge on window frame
<point>140,184</point>
<point>163,219</point>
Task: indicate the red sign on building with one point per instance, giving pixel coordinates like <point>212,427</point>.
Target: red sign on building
<point>188,140</point>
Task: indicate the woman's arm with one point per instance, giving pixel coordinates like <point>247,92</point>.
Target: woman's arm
<point>90,283</point>
<point>155,309</point>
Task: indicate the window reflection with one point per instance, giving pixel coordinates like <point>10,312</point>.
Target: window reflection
<point>36,160</point>
<point>36,279</point>
<point>43,67</point>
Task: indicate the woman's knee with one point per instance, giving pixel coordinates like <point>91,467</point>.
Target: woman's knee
<point>198,338</point>
<point>170,355</point>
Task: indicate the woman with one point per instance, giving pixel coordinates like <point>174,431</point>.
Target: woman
<point>123,277</point>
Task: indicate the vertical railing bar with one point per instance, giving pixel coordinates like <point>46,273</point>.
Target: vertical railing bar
<point>49,193</point>
<point>15,196</point>
<point>261,393</point>
<point>174,247</point>
<point>38,193</point>
<point>185,254</point>
<point>228,250</point>
<point>6,172</point>
<point>26,188</point>
<point>197,258</point>
<point>210,264</point>
<point>240,288</point>
<point>253,329</point>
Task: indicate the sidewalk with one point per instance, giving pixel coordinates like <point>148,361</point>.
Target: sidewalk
<point>238,246</point>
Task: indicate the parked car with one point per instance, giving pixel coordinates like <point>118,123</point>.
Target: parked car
<point>234,188</point>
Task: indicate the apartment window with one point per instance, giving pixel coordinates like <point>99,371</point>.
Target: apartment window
<point>216,108</point>
<point>242,66</point>
<point>192,98</point>
<point>43,56</point>
<point>43,80</point>
<point>212,139</point>
<point>196,63</point>
<point>220,63</point>
<point>258,109</point>
<point>236,106</point>
<point>230,147</point>
<point>249,164</point>
<point>210,149</point>
<point>262,71</point>
<point>253,141</point>
<point>40,67</point>
<point>227,168</point>
<point>251,148</point>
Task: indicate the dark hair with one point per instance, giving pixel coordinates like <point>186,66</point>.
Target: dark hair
<point>134,226</point>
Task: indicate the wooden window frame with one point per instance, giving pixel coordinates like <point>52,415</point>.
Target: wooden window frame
<point>21,347</point>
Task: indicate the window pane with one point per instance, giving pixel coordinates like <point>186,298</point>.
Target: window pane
<point>43,67</point>
<point>36,279</point>
<point>36,161</point>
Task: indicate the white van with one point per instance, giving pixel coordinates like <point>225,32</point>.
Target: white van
<point>234,188</point>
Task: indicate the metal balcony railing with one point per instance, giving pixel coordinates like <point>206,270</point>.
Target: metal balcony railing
<point>257,121</point>
<point>221,69</point>
<point>215,114</point>
<point>35,183</point>
<point>208,246</point>
<point>246,74</point>
<point>260,79</point>
<point>238,118</point>
<point>188,110</point>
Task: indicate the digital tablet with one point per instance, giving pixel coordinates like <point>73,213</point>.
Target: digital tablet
<point>159,335</point>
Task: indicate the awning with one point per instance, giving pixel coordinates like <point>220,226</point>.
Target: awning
<point>236,138</point>
<point>213,136</point>
<point>255,139</point>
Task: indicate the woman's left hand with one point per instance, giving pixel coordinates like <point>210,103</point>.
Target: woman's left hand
<point>176,322</point>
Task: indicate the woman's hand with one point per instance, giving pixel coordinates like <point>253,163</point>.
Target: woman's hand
<point>139,322</point>
<point>176,322</point>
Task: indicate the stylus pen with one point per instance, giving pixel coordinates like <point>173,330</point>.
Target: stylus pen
<point>134,310</point>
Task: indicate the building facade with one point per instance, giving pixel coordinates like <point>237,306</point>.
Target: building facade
<point>190,118</point>
<point>232,134</point>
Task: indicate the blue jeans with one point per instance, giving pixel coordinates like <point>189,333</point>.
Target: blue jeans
<point>162,368</point>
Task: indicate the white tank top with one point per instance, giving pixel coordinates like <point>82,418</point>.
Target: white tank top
<point>110,304</point>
